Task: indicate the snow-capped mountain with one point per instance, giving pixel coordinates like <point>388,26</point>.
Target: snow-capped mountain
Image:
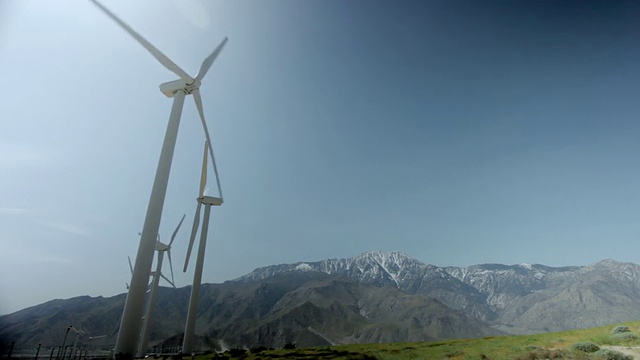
<point>501,284</point>
<point>371,267</point>
<point>397,270</point>
<point>373,297</point>
<point>308,308</point>
<point>518,297</point>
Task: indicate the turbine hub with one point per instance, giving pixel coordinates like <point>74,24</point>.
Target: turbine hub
<point>170,88</point>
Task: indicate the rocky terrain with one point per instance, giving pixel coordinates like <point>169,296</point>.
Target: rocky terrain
<point>521,298</point>
<point>372,297</point>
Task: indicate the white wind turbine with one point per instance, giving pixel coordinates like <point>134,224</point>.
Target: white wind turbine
<point>75,342</point>
<point>130,325</point>
<point>208,201</point>
<point>131,269</point>
<point>161,248</point>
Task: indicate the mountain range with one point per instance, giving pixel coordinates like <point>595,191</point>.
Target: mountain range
<point>373,297</point>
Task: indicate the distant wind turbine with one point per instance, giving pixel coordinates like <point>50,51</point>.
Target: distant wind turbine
<point>208,201</point>
<point>131,323</point>
<point>161,248</point>
<point>130,269</point>
<point>74,347</point>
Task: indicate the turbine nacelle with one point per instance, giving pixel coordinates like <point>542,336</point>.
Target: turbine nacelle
<point>210,200</point>
<point>162,247</point>
<point>188,84</point>
<point>170,88</point>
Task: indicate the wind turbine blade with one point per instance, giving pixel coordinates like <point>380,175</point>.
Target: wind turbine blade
<point>164,277</point>
<point>206,64</point>
<point>162,58</point>
<point>130,266</point>
<point>198,100</point>
<point>171,267</point>
<point>175,232</point>
<point>203,174</point>
<point>194,231</point>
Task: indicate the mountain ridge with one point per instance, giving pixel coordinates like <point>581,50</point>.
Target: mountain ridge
<point>374,296</point>
<point>494,293</point>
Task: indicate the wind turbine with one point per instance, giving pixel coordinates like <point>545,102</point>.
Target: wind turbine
<point>130,269</point>
<point>161,248</point>
<point>130,325</point>
<point>208,201</point>
<point>75,342</point>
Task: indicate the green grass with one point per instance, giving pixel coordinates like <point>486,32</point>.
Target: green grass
<point>523,347</point>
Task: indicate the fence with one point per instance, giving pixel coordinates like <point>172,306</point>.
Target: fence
<point>69,352</point>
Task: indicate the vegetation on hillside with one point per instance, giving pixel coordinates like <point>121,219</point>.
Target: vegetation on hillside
<point>580,344</point>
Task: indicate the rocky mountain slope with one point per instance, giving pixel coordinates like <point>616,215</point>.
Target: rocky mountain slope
<point>395,270</point>
<point>521,298</point>
<point>307,308</point>
<point>372,297</point>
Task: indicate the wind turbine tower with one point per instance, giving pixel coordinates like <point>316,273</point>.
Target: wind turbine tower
<point>208,201</point>
<point>161,248</point>
<point>131,323</point>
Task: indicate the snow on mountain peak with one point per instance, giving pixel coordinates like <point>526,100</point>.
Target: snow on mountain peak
<point>303,267</point>
<point>526,266</point>
<point>385,257</point>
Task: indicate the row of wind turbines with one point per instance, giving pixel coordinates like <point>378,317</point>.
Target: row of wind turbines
<point>133,334</point>
<point>162,248</point>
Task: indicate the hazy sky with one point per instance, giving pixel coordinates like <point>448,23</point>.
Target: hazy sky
<point>458,132</point>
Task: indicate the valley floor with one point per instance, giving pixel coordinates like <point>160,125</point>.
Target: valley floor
<point>517,347</point>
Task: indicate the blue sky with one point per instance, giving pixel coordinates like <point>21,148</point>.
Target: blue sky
<point>458,132</point>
